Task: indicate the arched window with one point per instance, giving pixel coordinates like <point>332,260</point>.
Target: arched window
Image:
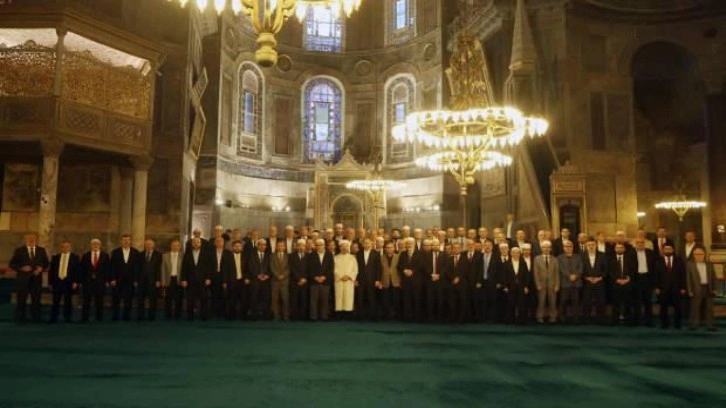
<point>400,21</point>
<point>399,103</point>
<point>322,120</point>
<point>323,30</point>
<point>249,114</point>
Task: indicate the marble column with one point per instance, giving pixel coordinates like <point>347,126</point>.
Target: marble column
<point>126,199</point>
<point>52,148</point>
<point>141,176</point>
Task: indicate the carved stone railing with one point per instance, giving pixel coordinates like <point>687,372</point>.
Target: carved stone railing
<point>78,123</point>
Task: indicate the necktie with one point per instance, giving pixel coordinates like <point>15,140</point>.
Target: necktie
<point>148,256</point>
<point>582,248</point>
<point>260,257</point>
<point>486,266</point>
<point>32,252</point>
<point>620,262</point>
<point>547,261</point>
<point>95,259</point>
<point>456,260</point>
<point>435,263</point>
<point>670,265</point>
<point>63,266</point>
<point>279,256</point>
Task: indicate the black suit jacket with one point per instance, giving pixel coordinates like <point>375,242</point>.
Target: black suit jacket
<point>427,267</point>
<point>630,267</point>
<point>414,263</point>
<point>73,271</point>
<point>123,271</point>
<point>492,267</point>
<point>100,274</point>
<point>150,270</point>
<point>196,274</point>
<point>460,269</point>
<point>515,281</point>
<point>371,273</point>
<point>21,258</point>
<point>226,272</point>
<point>315,268</point>
<point>298,267</point>
<point>673,278</point>
<point>188,246</point>
<point>645,281</point>
<point>257,266</point>
<point>558,247</point>
<point>599,270</point>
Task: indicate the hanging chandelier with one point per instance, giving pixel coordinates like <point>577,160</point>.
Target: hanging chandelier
<point>680,206</point>
<point>473,135</point>
<point>376,186</point>
<point>268,16</point>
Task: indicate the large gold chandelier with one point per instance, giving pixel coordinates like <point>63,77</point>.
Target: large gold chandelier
<point>681,206</point>
<point>474,135</point>
<point>267,17</point>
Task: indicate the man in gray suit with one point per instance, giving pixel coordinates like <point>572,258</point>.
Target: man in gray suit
<point>571,281</point>
<point>280,283</point>
<point>701,279</point>
<point>547,279</point>
<point>170,273</point>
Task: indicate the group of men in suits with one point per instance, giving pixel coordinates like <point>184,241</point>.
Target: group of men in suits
<point>442,276</point>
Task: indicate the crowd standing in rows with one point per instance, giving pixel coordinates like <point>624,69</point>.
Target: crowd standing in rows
<point>437,275</point>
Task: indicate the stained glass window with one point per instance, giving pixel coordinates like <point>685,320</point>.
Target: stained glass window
<point>400,21</point>
<point>323,30</point>
<point>249,129</point>
<point>401,14</point>
<point>322,120</point>
<point>400,97</point>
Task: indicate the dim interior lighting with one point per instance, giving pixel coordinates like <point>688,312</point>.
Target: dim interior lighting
<point>641,214</point>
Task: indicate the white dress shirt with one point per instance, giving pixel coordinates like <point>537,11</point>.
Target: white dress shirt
<point>126,252</point>
<point>63,268</point>
<point>366,254</point>
<point>642,262</point>
<point>702,273</point>
<point>174,260</point>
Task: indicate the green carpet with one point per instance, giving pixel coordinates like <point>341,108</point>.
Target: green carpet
<point>265,364</point>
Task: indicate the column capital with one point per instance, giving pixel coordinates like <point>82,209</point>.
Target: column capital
<point>52,146</point>
<point>61,31</point>
<point>141,162</point>
<point>126,171</point>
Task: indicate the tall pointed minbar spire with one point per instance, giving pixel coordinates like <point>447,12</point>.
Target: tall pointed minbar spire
<point>524,54</point>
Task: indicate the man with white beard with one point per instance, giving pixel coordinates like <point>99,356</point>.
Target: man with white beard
<point>346,271</point>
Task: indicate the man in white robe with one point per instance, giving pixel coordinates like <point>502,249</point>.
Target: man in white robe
<point>346,271</point>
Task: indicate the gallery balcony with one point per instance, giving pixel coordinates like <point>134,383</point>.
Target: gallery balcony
<point>68,75</point>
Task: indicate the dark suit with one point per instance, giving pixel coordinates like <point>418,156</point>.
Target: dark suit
<point>125,273</point>
<point>63,288</point>
<point>457,280</point>
<point>188,246</point>
<point>593,294</point>
<point>194,274</point>
<point>93,280</point>
<point>689,256</point>
<point>320,292</point>
<point>366,292</point>
<point>516,281</point>
<point>643,289</point>
<point>411,286</point>
<point>299,292</point>
<point>486,292</point>
<point>30,282</point>
<point>149,275</point>
<point>622,294</point>
<point>224,267</point>
<point>670,281</point>
<point>436,291</point>
<point>259,274</point>
<point>237,296</point>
